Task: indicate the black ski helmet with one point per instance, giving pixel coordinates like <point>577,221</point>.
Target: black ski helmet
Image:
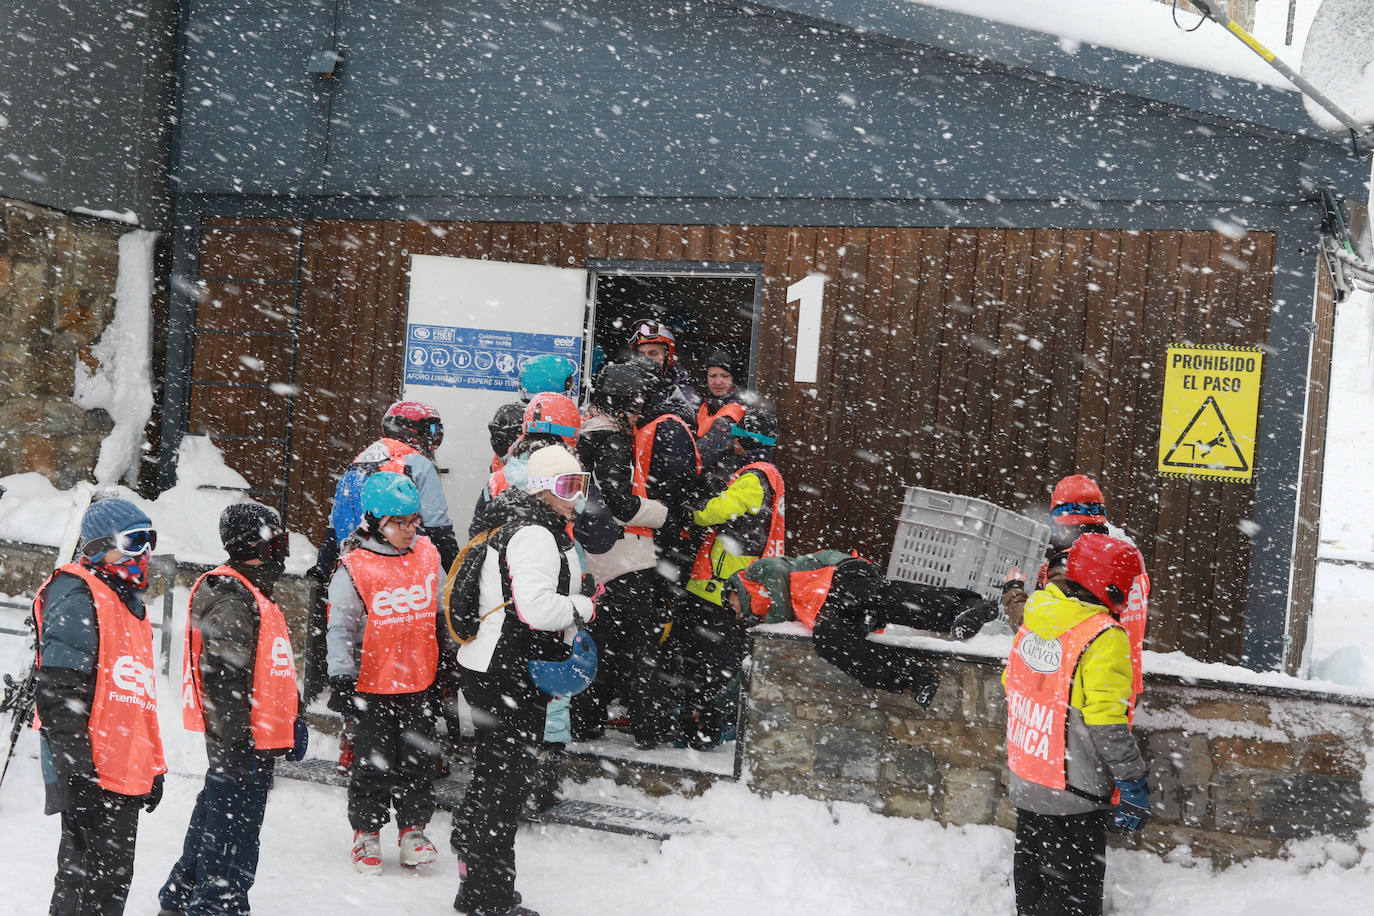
<point>504,427</point>
<point>415,423</point>
<point>622,388</point>
<point>251,531</point>
<point>759,426</point>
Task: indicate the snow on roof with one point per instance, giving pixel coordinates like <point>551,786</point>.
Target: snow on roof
<point>1146,28</point>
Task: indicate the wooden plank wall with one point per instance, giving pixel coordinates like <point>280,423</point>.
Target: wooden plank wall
<point>1310,487</point>
<point>983,361</point>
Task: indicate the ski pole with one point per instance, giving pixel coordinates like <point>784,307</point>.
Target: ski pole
<point>1362,135</point>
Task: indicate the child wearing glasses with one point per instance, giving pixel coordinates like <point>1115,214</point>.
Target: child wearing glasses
<point>383,657</point>
<point>96,699</point>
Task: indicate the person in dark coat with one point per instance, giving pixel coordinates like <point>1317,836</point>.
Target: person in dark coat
<point>102,761</point>
<point>844,598</point>
<point>531,565</point>
<point>240,676</point>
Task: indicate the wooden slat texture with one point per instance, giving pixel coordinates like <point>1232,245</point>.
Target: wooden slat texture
<point>984,361</point>
<point>254,359</point>
<point>246,307</point>
<point>259,254</point>
<point>1310,487</point>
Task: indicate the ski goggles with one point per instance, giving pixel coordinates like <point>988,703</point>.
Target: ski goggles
<point>567,487</point>
<point>1093,509</point>
<point>136,541</point>
<point>650,328</point>
<point>276,548</point>
<point>739,433</point>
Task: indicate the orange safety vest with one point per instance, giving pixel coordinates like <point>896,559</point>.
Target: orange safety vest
<point>644,456</point>
<point>396,452</point>
<point>1039,687</point>
<point>705,420</point>
<point>401,597</point>
<point>273,702</point>
<point>777,527</point>
<point>809,589</point>
<point>126,745</point>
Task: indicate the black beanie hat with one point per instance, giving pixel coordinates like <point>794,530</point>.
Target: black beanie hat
<point>242,526</point>
<point>723,360</point>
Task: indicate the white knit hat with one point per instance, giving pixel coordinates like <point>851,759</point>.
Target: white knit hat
<point>548,463</point>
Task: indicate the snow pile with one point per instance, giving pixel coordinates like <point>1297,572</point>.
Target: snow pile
<point>1146,28</point>
<point>1339,60</point>
<point>122,384</point>
<point>186,516</point>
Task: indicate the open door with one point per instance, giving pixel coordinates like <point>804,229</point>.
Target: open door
<point>470,327</point>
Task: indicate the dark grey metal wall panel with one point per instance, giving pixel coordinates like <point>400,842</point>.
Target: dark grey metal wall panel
<point>253,119</point>
<point>86,103</point>
<point>640,98</point>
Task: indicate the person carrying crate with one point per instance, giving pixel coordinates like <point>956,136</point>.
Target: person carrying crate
<point>843,598</point>
<point>1076,507</point>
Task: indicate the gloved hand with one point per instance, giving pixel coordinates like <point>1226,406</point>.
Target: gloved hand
<point>1133,808</point>
<point>589,586</point>
<point>302,741</point>
<point>154,797</point>
<point>341,696</point>
<point>970,620</point>
<point>1015,579</point>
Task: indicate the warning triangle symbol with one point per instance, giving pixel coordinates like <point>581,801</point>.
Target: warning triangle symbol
<point>1207,442</point>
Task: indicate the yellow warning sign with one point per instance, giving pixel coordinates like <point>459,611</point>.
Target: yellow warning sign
<point>1211,412</point>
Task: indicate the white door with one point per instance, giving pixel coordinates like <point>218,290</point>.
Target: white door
<point>470,327</point>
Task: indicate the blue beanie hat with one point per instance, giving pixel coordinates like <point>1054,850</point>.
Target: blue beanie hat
<point>108,517</point>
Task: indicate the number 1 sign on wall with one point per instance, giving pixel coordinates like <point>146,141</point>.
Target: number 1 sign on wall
<point>809,293</point>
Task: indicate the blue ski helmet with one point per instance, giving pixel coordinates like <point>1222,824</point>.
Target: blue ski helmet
<point>547,372</point>
<point>388,493</point>
<point>570,676</point>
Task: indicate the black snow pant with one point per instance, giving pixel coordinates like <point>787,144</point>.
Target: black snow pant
<point>219,857</point>
<point>95,859</point>
<point>510,731</point>
<point>709,646</point>
<point>629,630</point>
<point>395,761</point>
<point>1060,863</point>
<point>861,601</point>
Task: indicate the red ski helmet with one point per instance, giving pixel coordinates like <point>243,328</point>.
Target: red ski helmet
<point>1106,567</point>
<point>414,422</point>
<point>553,415</point>
<point>1077,501</point>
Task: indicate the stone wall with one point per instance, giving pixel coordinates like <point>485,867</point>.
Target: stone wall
<point>57,282</point>
<point>1236,772</point>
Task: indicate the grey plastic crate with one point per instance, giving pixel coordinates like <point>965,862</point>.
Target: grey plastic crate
<point>962,541</point>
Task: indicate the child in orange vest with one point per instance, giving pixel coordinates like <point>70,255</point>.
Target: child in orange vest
<point>239,688</point>
<point>95,692</point>
<point>383,664</point>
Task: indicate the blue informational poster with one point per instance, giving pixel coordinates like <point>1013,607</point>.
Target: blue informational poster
<point>475,358</point>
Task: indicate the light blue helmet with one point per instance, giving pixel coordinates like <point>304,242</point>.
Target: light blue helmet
<point>570,676</point>
<point>386,493</point>
<point>546,372</point>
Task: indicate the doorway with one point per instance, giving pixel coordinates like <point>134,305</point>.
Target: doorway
<point>709,307</point>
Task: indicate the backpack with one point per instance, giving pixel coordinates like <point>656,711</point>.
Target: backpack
<point>462,589</point>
